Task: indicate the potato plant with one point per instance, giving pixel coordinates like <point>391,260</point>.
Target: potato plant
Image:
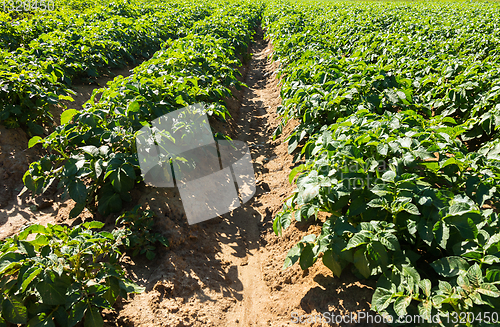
<point>139,237</point>
<point>61,276</point>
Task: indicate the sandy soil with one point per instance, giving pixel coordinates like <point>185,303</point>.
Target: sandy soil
<point>223,272</point>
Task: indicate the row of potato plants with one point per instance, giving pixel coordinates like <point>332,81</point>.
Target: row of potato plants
<point>397,106</point>
<point>93,155</point>
<point>18,28</point>
<point>55,275</point>
<point>40,74</point>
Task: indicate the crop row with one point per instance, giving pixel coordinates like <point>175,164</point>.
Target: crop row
<point>36,76</point>
<point>93,152</point>
<point>437,60</point>
<point>55,275</point>
<point>397,107</point>
<point>19,28</point>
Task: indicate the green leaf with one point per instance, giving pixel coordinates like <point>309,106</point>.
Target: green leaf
<point>41,320</point>
<point>77,210</point>
<point>293,255</point>
<point>150,255</point>
<point>493,275</point>
<point>445,287</point>
<point>424,228</point>
<point>488,289</point>
<point>361,262</point>
<point>78,191</point>
<point>465,226</point>
<point>441,233</point>
<point>28,277</point>
<point>292,144</point>
<point>310,191</point>
<point>133,106</point>
<point>378,203</point>
<point>67,115</point>
<point>93,225</point>
<point>308,238</point>
<point>109,202</point>
<point>425,309</point>
<point>281,221</point>
<point>61,317</point>
<point>493,240</point>
<point>10,260</point>
<point>475,275</point>
<point>379,253</point>
<point>450,266</point>
<point>381,299</point>
<point>294,173</point>
<point>382,149</point>
<point>411,209</point>
<point>330,260</point>
<point>390,241</point>
<point>388,176</point>
<point>426,286</point>
<point>27,248</point>
<point>32,229</point>
<point>401,304</point>
<point>14,311</point>
<point>93,318</point>
<point>52,293</point>
<point>411,272</point>
<point>307,257</point>
<point>356,240</point>
<point>34,141</point>
<point>131,287</point>
<point>129,171</point>
<point>40,240</point>
<point>90,149</point>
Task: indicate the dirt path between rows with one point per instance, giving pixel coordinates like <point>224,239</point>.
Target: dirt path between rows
<point>214,274</point>
<point>259,101</point>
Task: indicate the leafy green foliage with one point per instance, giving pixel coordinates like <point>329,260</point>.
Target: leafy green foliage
<point>97,143</point>
<point>139,237</point>
<point>39,74</point>
<point>57,275</point>
<point>387,57</point>
<point>386,101</point>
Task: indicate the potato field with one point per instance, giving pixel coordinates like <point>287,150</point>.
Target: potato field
<point>373,129</point>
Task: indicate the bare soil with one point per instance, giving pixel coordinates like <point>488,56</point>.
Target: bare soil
<point>223,272</point>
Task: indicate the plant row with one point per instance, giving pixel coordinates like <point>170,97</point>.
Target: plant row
<point>40,75</point>
<point>397,109</point>
<point>436,59</point>
<point>60,276</point>
<point>93,155</point>
<point>19,28</point>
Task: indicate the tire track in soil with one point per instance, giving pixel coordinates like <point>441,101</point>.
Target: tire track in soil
<point>253,129</point>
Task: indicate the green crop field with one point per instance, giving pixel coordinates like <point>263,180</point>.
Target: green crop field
<point>398,107</point>
<point>396,111</point>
